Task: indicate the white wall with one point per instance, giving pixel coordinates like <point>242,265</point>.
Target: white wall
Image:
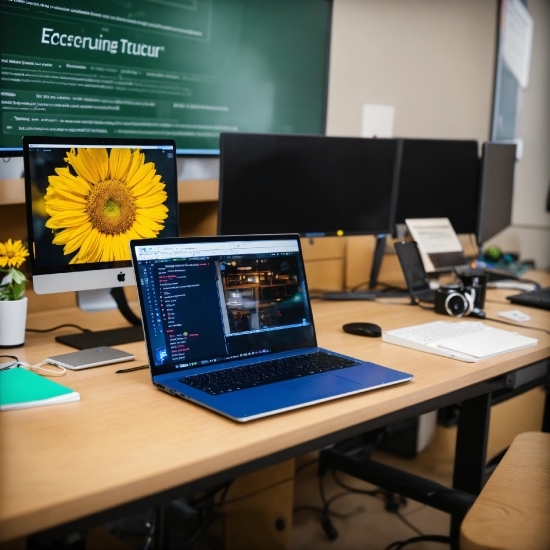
<point>433,60</point>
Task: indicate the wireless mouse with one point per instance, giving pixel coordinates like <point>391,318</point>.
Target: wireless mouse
<point>363,329</point>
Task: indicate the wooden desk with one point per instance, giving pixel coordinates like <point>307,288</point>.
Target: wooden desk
<point>126,442</point>
<point>512,511</point>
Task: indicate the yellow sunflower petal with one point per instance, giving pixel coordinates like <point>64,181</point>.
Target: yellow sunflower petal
<point>76,241</point>
<point>61,203</point>
<point>146,221</point>
<point>153,185</point>
<point>132,234</point>
<point>89,249</point>
<point>106,248</point>
<point>138,158</point>
<point>123,250</point>
<point>153,201</point>
<point>146,189</point>
<point>64,177</point>
<point>144,174</point>
<point>92,164</point>
<point>143,231</point>
<point>69,195</point>
<point>72,233</point>
<point>154,214</point>
<point>120,161</point>
<point>56,222</point>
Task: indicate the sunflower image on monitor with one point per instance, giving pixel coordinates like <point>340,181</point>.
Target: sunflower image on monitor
<point>100,200</point>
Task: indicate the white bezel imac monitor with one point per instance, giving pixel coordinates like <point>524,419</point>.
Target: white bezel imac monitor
<point>86,198</point>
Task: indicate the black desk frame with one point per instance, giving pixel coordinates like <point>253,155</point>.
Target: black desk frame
<point>470,465</point>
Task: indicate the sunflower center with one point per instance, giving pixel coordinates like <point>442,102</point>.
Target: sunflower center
<point>111,207</point>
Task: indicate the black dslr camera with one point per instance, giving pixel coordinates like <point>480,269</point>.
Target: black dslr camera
<point>468,298</point>
<point>453,300</point>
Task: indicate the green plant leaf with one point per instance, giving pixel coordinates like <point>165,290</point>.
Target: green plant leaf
<point>18,290</point>
<point>17,276</point>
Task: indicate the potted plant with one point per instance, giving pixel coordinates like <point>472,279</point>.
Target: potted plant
<point>13,305</point>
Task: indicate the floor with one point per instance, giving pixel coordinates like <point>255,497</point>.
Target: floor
<point>361,520</point>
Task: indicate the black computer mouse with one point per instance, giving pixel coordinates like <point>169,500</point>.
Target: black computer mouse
<point>363,329</point>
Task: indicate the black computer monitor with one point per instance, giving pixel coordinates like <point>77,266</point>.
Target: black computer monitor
<point>312,185</point>
<point>439,178</point>
<point>498,164</point>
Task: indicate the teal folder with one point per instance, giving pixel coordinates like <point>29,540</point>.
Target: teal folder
<point>20,388</point>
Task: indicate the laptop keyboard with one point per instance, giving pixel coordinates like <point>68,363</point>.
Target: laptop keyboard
<point>266,372</point>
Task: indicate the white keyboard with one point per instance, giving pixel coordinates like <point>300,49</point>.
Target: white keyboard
<point>464,340</point>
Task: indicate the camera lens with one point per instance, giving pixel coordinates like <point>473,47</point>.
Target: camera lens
<point>456,305</point>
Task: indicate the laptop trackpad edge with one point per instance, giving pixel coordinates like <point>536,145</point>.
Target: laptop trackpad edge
<point>319,386</point>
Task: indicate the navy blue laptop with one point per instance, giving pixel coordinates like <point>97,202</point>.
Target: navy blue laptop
<point>228,325</point>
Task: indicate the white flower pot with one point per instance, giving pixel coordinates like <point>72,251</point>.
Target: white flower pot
<point>13,319</point>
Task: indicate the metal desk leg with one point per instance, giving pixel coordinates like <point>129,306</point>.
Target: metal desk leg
<point>471,450</point>
<point>546,417</point>
<point>159,534</point>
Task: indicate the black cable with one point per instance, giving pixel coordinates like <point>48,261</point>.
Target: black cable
<point>306,465</point>
<point>209,518</point>
<point>12,364</point>
<point>358,510</point>
<point>58,327</point>
<point>374,492</point>
<point>326,512</point>
<point>207,497</point>
<point>253,493</point>
<point>408,523</point>
<point>398,545</point>
<point>277,483</point>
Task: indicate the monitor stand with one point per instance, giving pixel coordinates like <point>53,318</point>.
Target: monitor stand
<point>378,256</point>
<point>110,337</point>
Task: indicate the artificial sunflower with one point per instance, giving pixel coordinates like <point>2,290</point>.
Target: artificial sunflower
<point>103,202</point>
<point>12,284</point>
<point>12,253</point>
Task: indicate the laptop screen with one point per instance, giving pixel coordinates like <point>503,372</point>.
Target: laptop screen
<point>219,299</point>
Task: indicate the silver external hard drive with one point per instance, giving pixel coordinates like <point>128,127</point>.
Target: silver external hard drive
<point>93,357</point>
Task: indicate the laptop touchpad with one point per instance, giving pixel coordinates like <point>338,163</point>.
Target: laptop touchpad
<point>317,387</point>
